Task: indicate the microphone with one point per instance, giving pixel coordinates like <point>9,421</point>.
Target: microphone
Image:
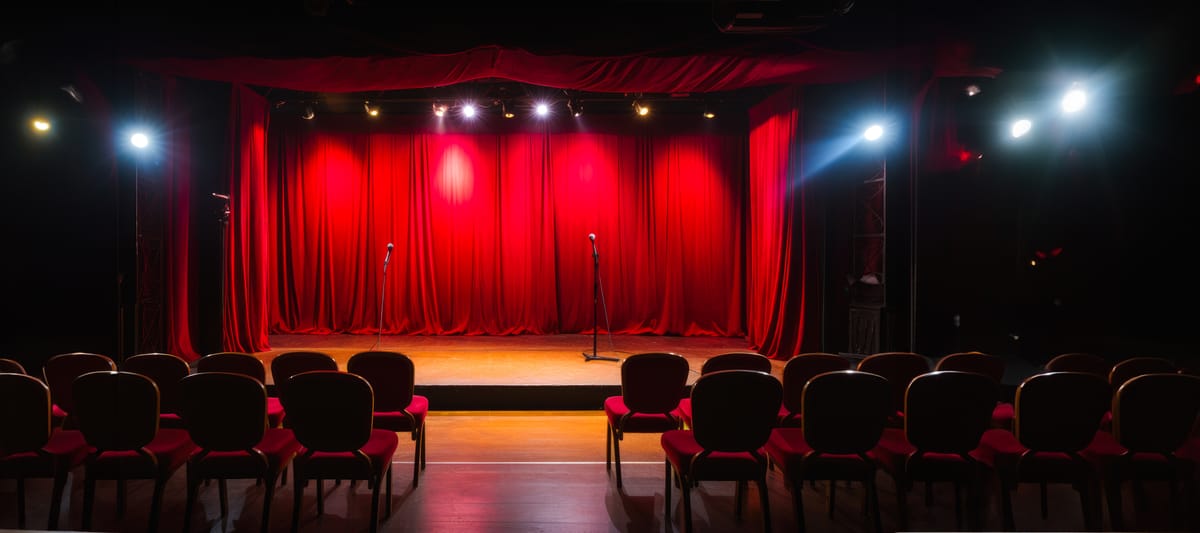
<point>595,252</point>
<point>221,196</point>
<point>388,257</point>
<point>592,237</point>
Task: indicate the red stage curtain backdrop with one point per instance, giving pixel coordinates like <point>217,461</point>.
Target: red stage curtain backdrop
<point>490,232</point>
<point>177,188</point>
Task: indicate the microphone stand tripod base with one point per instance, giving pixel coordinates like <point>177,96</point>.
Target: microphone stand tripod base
<point>590,357</point>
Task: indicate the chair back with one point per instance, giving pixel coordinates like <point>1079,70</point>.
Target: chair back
<point>735,410</point>
<point>653,382</point>
<point>1080,362</point>
<point>224,412</point>
<point>118,411</point>
<point>947,411</point>
<point>844,412</point>
<point>392,376</point>
<point>1156,412</point>
<point>61,370</point>
<point>804,367</point>
<point>899,368</point>
<point>736,361</point>
<point>330,411</point>
<point>234,363</point>
<point>1060,411</point>
<point>165,370</point>
<point>1138,366</point>
<point>24,413</point>
<point>286,365</point>
<point>977,362</point>
<point>10,366</point>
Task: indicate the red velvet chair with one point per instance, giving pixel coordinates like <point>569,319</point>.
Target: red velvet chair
<point>988,365</point>
<point>118,416</point>
<point>392,376</point>
<point>946,415</point>
<point>735,411</point>
<point>843,417</point>
<point>725,361</point>
<point>29,448</point>
<point>60,372</point>
<point>9,366</point>
<point>165,370</point>
<point>652,384</point>
<point>899,368</point>
<point>227,419</point>
<point>1133,367</point>
<point>331,416</point>
<point>246,365</point>
<point>796,374</point>
<point>288,364</point>
<point>1080,362</point>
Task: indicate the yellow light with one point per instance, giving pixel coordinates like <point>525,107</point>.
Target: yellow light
<point>1032,262</point>
<point>710,114</point>
<point>643,110</point>
<point>373,112</point>
<point>509,114</point>
<point>41,125</point>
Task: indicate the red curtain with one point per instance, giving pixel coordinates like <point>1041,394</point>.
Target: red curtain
<point>247,271</point>
<point>490,231</point>
<point>177,188</point>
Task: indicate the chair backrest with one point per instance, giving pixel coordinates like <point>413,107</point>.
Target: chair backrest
<point>804,367</point>
<point>736,361</point>
<point>224,411</point>
<point>1156,412</point>
<point>61,370</point>
<point>10,366</point>
<point>1060,411</point>
<point>330,411</point>
<point>165,370</point>
<point>234,363</point>
<point>947,411</point>
<point>899,368</point>
<point>1080,362</point>
<point>392,376</point>
<point>1138,366</point>
<point>653,382</point>
<point>288,364</point>
<point>844,412</point>
<point>118,411</point>
<point>24,413</point>
<point>977,362</point>
<point>735,410</point>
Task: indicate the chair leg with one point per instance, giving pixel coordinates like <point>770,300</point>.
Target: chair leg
<point>764,499</point>
<point>156,503</point>
<point>424,428</point>
<point>617,456</point>
<point>375,507</point>
<point>686,488</point>
<point>416,463</point>
<point>1174,508</point>
<point>283,477</point>
<point>120,497</point>
<point>874,499</point>
<point>269,494</point>
<point>320,497</point>
<point>1085,501</point>
<point>223,490</point>
<point>298,495</point>
<point>798,504</point>
<point>387,507</point>
<point>193,486</point>
<point>89,497</point>
<point>739,494</point>
<point>60,483</point>
<point>958,507</point>
<point>928,494</point>
<point>901,503</point>
<point>832,497</point>
<point>21,502</point>
<point>1006,507</point>
<point>667,493</point>
<point>1116,515</point>
<point>1045,502</point>
<point>608,438</point>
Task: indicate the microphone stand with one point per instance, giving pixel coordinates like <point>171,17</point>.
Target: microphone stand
<point>595,355</point>
<point>382,299</point>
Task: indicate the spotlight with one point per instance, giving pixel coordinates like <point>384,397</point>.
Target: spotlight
<point>1021,127</point>
<point>542,109</point>
<point>504,109</point>
<point>973,90</point>
<point>641,108</point>
<point>139,140</point>
<point>709,114</point>
<point>575,107</point>
<point>1075,100</point>
<point>40,125</point>
<point>308,113</point>
<point>873,133</point>
<point>468,110</point>
<point>371,110</point>
<point>439,110</point>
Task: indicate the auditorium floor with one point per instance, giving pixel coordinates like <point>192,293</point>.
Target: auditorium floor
<point>542,471</point>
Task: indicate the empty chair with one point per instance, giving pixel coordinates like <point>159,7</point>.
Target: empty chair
<point>165,370</point>
<point>331,416</point>
<point>735,411</point>
<point>392,376</point>
<point>1133,367</point>
<point>796,374</point>
<point>652,384</point>
<point>9,366</point>
<point>988,365</point>
<point>227,419</point>
<point>288,364</point>
<point>1080,362</point>
<point>843,417</point>
<point>28,447</point>
<point>946,415</point>
<point>246,365</point>
<point>118,416</point>
<point>725,361</point>
<point>899,368</point>
<point>60,372</point>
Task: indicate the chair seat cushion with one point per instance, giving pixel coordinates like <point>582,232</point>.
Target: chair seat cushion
<point>57,414</point>
<point>274,412</point>
<point>279,445</point>
<point>787,418</point>
<point>685,411</point>
<point>616,410</point>
<point>398,421</point>
<point>1002,415</point>
<point>171,421</point>
<point>65,450</point>
<point>681,448</point>
<point>894,451</point>
<point>791,453</point>
<point>346,465</point>
<point>171,448</point>
<point>1007,453</point>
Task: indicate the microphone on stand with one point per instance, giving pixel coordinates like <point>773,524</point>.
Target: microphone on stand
<point>595,252</point>
<point>387,257</point>
<point>383,296</point>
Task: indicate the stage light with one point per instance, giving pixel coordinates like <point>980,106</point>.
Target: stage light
<point>873,133</point>
<point>439,110</point>
<point>542,109</point>
<point>710,114</point>
<point>575,107</point>
<point>641,108</point>
<point>139,140</point>
<point>468,110</point>
<point>1074,101</point>
<point>371,110</point>
<point>40,125</point>
<point>308,113</point>
<point>973,90</point>
<point>504,109</point>
<point>1021,127</point>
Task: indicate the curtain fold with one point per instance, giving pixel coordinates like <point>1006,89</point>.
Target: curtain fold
<point>177,184</point>
<point>247,270</point>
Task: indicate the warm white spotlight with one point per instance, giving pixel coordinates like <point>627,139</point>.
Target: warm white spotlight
<point>642,109</point>
<point>709,114</point>
<point>468,110</point>
<point>873,133</point>
<point>542,110</point>
<point>370,109</point>
<point>973,90</point>
<point>1075,100</point>
<point>41,125</point>
<point>1021,127</point>
<point>139,140</point>
<point>308,113</point>
<point>439,110</point>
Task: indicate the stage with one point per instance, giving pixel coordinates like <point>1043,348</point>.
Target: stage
<point>519,372</point>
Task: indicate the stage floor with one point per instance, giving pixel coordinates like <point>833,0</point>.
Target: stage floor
<point>550,360</point>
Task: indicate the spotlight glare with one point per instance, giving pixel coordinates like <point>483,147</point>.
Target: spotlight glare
<point>308,113</point>
<point>41,125</point>
<point>1075,100</point>
<point>439,110</point>
<point>710,114</point>
<point>642,109</point>
<point>873,133</point>
<point>139,140</point>
<point>973,90</point>
<point>1021,127</point>
<point>542,109</point>
<point>468,110</point>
